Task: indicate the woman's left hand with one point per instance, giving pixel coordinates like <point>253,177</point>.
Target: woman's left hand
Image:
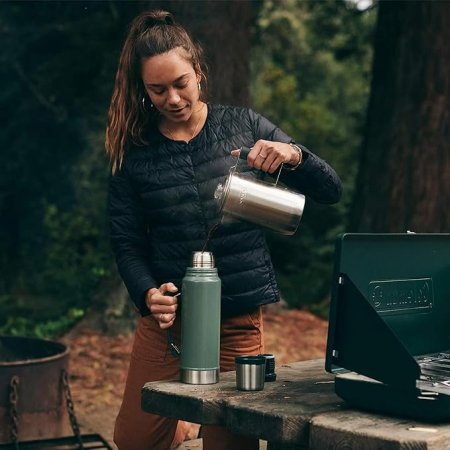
<point>268,156</point>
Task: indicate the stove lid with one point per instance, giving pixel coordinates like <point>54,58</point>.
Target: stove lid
<point>390,303</point>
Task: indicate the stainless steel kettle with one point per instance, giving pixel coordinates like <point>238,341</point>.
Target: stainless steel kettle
<point>269,205</point>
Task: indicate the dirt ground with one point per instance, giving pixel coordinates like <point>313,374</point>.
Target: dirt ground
<point>98,363</point>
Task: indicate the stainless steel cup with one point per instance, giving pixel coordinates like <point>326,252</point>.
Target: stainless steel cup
<point>250,372</point>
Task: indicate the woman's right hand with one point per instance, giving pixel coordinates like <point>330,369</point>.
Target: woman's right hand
<point>163,304</point>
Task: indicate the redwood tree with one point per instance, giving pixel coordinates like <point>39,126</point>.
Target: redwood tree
<point>223,28</point>
<point>404,174</point>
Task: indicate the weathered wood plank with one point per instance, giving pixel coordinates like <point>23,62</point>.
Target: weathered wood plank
<point>298,411</point>
<point>280,413</point>
<point>198,404</point>
<point>363,431</point>
<point>283,411</point>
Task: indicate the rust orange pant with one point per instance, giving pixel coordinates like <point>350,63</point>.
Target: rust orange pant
<point>151,360</point>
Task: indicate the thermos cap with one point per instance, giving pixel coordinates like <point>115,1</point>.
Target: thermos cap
<point>270,366</point>
<point>202,259</point>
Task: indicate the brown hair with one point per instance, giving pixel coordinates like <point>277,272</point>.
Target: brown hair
<point>151,33</point>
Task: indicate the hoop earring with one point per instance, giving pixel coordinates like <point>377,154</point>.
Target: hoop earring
<point>199,86</point>
<point>143,103</point>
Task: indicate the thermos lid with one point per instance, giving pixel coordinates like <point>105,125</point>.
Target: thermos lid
<point>270,366</point>
<point>202,259</point>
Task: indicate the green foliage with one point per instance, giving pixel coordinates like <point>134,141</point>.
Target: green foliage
<point>311,70</point>
<point>57,68</point>
<point>21,324</point>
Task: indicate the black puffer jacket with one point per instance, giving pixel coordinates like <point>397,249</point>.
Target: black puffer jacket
<point>162,206</point>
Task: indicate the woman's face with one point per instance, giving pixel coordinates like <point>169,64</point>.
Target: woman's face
<point>172,84</point>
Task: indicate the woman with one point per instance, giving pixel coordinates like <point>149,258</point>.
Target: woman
<point>169,150</point>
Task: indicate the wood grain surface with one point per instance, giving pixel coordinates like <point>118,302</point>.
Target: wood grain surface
<point>298,411</point>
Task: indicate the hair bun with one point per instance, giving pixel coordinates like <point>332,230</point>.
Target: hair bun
<point>160,17</point>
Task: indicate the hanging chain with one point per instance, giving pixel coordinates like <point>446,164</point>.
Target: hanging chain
<point>71,409</point>
<point>13,400</point>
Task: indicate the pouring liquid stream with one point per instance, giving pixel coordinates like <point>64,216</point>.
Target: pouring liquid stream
<point>211,231</point>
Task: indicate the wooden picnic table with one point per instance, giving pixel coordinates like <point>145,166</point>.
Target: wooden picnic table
<point>297,411</point>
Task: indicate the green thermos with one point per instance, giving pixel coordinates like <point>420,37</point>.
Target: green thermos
<point>200,321</point>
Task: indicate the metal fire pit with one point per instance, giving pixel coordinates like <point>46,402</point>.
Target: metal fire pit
<point>88,442</point>
<point>36,407</point>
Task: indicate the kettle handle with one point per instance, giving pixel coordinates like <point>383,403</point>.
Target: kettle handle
<point>243,154</point>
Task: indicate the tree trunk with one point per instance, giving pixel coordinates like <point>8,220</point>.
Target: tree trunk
<point>404,176</point>
<point>223,28</point>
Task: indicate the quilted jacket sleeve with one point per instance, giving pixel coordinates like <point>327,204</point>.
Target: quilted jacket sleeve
<point>314,177</point>
<point>128,239</point>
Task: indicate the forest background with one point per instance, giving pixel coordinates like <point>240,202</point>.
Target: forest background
<point>306,65</point>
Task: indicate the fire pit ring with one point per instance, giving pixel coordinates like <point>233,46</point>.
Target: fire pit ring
<point>32,398</point>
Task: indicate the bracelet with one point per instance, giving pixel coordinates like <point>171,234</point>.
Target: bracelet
<point>300,154</point>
